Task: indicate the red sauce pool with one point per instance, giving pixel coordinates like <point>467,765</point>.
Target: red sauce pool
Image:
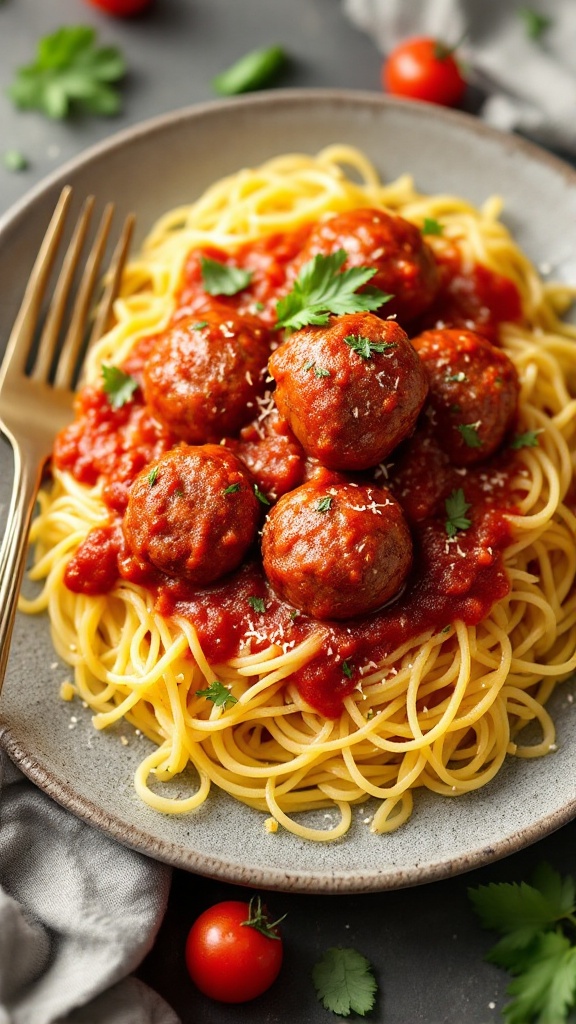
<point>452,578</point>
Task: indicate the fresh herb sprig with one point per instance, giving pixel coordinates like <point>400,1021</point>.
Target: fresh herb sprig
<point>364,347</point>
<point>70,73</point>
<point>323,288</point>
<point>221,279</point>
<point>537,922</point>
<point>456,508</point>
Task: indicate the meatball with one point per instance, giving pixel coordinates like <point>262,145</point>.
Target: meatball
<point>351,391</point>
<point>474,392</point>
<point>193,514</point>
<point>405,265</point>
<point>336,551</point>
<point>204,373</point>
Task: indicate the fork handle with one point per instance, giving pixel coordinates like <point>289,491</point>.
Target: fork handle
<point>27,477</point>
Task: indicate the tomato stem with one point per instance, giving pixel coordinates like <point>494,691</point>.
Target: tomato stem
<point>258,919</point>
<point>442,50</point>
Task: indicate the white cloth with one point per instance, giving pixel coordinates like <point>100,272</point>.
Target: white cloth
<point>529,85</point>
<point>78,913</point>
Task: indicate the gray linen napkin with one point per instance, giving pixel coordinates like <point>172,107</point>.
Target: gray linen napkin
<point>78,912</point>
<point>529,85</point>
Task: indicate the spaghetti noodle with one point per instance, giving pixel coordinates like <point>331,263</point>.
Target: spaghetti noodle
<point>312,714</point>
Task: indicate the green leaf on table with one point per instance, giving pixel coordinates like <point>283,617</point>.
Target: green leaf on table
<point>70,72</point>
<point>252,71</point>
<point>344,982</point>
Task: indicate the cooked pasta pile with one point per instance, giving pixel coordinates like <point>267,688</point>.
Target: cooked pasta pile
<point>441,712</point>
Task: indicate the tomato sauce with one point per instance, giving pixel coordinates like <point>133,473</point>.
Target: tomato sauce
<point>452,577</point>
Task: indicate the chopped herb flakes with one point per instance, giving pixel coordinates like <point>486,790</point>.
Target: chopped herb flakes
<point>432,227</point>
<point>529,439</point>
<point>231,489</point>
<point>324,504</point>
<point>258,604</point>
<point>153,476</point>
<point>469,432</point>
<point>364,347</point>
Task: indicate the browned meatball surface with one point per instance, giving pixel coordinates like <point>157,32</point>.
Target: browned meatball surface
<point>351,390</point>
<point>205,372</point>
<point>404,263</point>
<point>336,551</point>
<point>474,392</point>
<point>193,514</point>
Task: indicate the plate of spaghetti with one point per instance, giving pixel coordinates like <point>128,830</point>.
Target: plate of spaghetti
<point>300,609</point>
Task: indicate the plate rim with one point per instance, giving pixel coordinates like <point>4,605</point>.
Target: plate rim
<point>130,834</point>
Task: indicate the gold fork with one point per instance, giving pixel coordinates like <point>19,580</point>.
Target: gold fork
<point>38,376</point>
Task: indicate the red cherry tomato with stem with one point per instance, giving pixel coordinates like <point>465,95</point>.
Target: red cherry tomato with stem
<point>233,951</point>
<point>424,69</point>
<point>122,8</point>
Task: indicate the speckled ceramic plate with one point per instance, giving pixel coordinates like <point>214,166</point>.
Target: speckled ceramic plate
<point>169,161</point>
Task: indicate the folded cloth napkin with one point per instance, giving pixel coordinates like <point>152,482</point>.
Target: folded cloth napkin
<point>529,84</point>
<point>78,912</point>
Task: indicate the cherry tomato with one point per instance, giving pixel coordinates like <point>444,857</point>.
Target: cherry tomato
<point>233,952</point>
<point>122,8</point>
<point>424,69</point>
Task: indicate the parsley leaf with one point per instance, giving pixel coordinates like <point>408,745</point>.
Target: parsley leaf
<point>364,347</point>
<point>535,23</point>
<point>432,227</point>
<point>252,71</point>
<point>322,288</point>
<point>534,947</point>
<point>153,476</point>
<point>218,694</point>
<point>347,669</point>
<point>70,73</point>
<point>258,604</point>
<point>231,489</point>
<point>469,432</point>
<point>119,386</point>
<point>529,439</point>
<point>344,982</point>
<point>220,279</point>
<point>261,496</point>
<point>456,509</point>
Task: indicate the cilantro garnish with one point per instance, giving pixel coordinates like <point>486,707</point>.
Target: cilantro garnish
<point>431,226</point>
<point>70,73</point>
<point>258,604</point>
<point>324,504</point>
<point>322,288</point>
<point>469,432</point>
<point>252,71</point>
<point>533,919</point>
<point>364,347</point>
<point>119,386</point>
<point>153,476</point>
<point>231,489</point>
<point>456,509</point>
<point>535,22</point>
<point>347,669</point>
<point>218,694</point>
<point>529,439</point>
<point>344,982</point>
<point>199,325</point>
<point>319,371</point>
<point>220,279</point>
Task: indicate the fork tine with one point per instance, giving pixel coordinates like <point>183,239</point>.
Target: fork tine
<point>113,276</point>
<point>23,331</point>
<point>51,330</point>
<point>68,359</point>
